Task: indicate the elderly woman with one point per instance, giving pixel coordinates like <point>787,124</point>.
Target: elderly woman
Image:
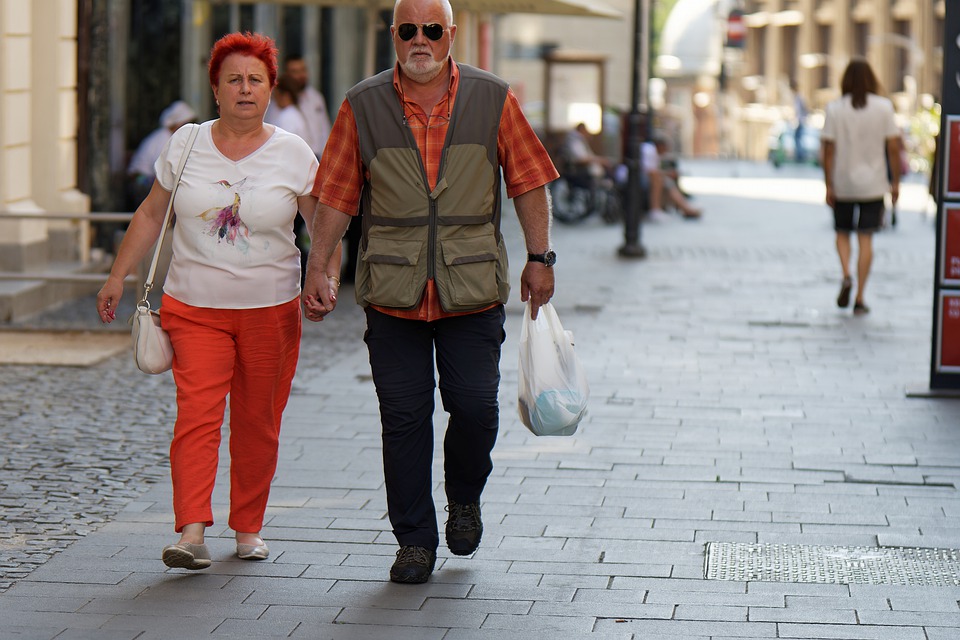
<point>231,297</point>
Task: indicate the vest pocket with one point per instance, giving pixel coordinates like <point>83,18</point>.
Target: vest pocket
<point>395,278</point>
<point>471,272</point>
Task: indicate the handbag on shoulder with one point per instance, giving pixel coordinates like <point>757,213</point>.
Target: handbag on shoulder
<point>152,351</point>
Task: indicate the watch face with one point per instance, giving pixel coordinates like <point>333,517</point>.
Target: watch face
<point>550,258</point>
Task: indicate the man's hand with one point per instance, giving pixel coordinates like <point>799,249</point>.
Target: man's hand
<point>536,285</point>
<point>319,295</point>
<point>321,282</point>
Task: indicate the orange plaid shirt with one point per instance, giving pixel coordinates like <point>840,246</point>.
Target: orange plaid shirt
<point>340,178</point>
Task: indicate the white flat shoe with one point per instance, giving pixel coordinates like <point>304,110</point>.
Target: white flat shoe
<point>252,551</point>
<point>185,555</point>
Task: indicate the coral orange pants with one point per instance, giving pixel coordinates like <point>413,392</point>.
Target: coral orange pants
<point>250,354</point>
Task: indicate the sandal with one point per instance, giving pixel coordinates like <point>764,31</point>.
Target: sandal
<point>844,298</point>
<point>859,309</point>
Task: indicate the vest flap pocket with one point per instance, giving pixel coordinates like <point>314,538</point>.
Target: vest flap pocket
<point>468,250</point>
<point>392,251</point>
<point>396,272</point>
<point>468,278</point>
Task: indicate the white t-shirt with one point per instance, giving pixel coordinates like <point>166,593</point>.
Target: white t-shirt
<point>314,109</point>
<point>860,141</point>
<point>315,116</point>
<point>233,244</point>
<point>291,119</point>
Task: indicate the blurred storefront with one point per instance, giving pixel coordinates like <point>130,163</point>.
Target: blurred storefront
<point>728,65</point>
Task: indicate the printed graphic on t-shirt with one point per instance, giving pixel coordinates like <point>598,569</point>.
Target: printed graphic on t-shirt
<point>224,223</point>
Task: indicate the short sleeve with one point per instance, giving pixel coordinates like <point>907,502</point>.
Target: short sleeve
<point>166,165</point>
<point>827,133</point>
<point>526,163</point>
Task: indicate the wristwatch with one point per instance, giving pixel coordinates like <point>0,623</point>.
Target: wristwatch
<point>548,258</point>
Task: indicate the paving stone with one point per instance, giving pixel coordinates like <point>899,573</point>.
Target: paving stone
<point>858,632</point>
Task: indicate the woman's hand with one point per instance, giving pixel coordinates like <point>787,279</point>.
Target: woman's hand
<point>108,299</point>
<point>316,307</point>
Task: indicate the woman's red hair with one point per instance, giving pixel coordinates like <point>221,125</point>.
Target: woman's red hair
<point>256,45</point>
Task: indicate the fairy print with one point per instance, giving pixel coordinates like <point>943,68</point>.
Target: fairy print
<point>225,223</point>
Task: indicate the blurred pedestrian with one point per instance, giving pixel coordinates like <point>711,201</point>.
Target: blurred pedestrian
<point>231,297</point>
<point>800,113</point>
<point>316,128</point>
<point>860,137</point>
<point>309,101</point>
<point>286,97</point>
<point>419,149</point>
<point>140,171</point>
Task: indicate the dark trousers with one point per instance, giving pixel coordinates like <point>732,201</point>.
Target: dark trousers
<point>402,362</point>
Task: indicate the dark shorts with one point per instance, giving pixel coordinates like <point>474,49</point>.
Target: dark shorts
<point>862,217</point>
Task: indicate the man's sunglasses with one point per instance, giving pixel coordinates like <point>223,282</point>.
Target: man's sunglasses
<point>407,31</point>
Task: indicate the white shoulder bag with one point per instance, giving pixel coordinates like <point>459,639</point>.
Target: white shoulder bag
<point>152,351</point>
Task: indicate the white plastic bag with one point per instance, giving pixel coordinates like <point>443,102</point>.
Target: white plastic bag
<point>553,385</point>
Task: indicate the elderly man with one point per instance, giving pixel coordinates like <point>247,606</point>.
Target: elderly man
<point>418,150</point>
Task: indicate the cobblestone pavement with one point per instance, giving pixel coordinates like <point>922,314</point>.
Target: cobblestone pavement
<point>80,443</point>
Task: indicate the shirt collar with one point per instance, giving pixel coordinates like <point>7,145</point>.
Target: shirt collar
<point>451,90</point>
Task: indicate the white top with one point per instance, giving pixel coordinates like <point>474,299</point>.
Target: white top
<point>860,139</point>
<point>291,119</point>
<point>314,110</point>
<point>147,153</point>
<point>233,243</point>
<point>649,157</point>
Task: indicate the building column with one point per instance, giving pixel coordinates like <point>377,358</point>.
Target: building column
<point>23,242</point>
<point>54,126</point>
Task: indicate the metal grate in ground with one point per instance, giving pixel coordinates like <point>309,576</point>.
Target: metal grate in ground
<point>832,565</point>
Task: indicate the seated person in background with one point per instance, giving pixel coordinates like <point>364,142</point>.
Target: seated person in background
<point>140,171</point>
<point>661,183</point>
<point>581,166</point>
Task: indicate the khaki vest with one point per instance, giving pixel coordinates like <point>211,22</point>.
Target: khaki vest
<point>451,234</point>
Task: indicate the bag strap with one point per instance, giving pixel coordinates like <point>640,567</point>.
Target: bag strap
<point>148,283</point>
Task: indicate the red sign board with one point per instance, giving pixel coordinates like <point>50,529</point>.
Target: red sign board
<point>950,332</point>
<point>950,264</point>
<point>951,183</point>
<point>945,360</point>
<point>736,29</point>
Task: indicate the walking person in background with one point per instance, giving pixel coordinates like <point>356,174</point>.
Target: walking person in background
<point>312,110</point>
<point>418,149</point>
<point>800,115</point>
<point>286,97</point>
<point>309,100</point>
<point>860,137</point>
<point>231,296</point>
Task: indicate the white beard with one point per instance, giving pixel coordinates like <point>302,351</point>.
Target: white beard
<point>421,70</point>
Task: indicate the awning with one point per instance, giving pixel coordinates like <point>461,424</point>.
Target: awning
<point>584,8</point>
<point>554,7</point>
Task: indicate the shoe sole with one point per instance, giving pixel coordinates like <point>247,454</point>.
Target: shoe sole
<point>462,549</point>
<point>252,552</point>
<point>408,580</point>
<point>181,559</point>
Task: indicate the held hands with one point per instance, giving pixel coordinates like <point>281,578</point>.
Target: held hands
<point>536,285</point>
<point>319,295</point>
